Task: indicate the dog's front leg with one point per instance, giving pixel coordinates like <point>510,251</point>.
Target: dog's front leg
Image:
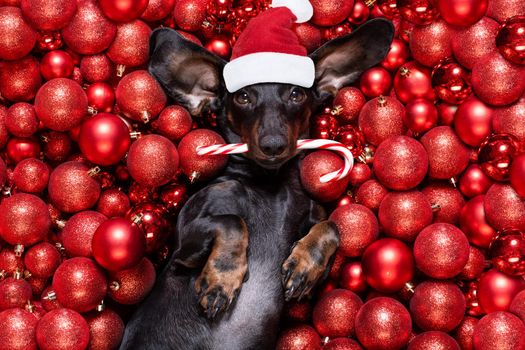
<point>309,259</point>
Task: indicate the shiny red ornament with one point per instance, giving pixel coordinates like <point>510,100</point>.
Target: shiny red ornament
<point>446,113</point>
<point>370,194</point>
<point>24,219</point>
<point>517,174</point>
<point>387,265</point>
<point>190,14</point>
<point>499,330</point>
<point>419,12</point>
<point>62,329</point>
<point>18,329</point>
<point>106,330</point>
<point>511,120</point>
<point>511,39</point>
<point>462,13</point>
<point>331,13</point>
<point>152,220</point>
<point>21,120</point>
<point>446,201</point>
<point>325,126</point>
<point>441,250</point>
<point>397,55</point>
<point>71,187</point>
<point>298,337</point>
<point>497,81</point>
<point>56,64</point>
<point>352,277</point>
<point>174,122</point>
<point>474,182</point>
<point>350,100</point>
<point>473,121</point>
<point>101,97</point>
<point>383,323</point>
<point>14,293</point>
<point>474,224</point>
<point>495,155</point>
<point>420,115</point>
<point>96,68</point>
<point>400,163</point>
<point>133,285</point>
<point>388,8</point>
<point>174,196</point>
<point>433,340</point>
<point>412,81</point>
<point>381,118</point>
<point>334,314</point>
<point>79,284</point>
<point>309,36</point>
<point>471,43</point>
<point>451,82</point>
<point>78,232</point>
<point>431,43</point>
<point>360,13</point>
<point>20,80</point>
<point>475,265</point>
<point>42,260</point>
<point>496,290</point>
<point>123,10</point>
<point>507,252</point>
<point>360,173</point>
<point>220,45</point>
<point>358,228</point>
<point>375,81</point>
<point>18,37</point>
<point>19,149</point>
<point>113,202</point>
<point>131,45</point>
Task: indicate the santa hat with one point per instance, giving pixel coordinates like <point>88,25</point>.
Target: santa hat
<point>268,50</point>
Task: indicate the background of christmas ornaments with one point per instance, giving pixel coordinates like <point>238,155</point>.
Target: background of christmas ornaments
<point>432,218</point>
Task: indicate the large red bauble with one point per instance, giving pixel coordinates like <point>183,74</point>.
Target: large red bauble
<point>384,324</point>
<point>497,81</point>
<point>46,15</point>
<point>20,80</point>
<point>153,160</point>
<point>495,155</point>
<point>470,44</point>
<point>18,149</point>
<point>131,45</point>
<point>473,121</point>
<point>499,330</point>
<point>448,201</point>
<point>78,232</point>
<point>153,222</point>
<point>500,10</point>
<point>496,290</point>
<point>31,175</point>
<point>113,202</point>
<point>189,14</point>
<point>474,224</point>
<point>89,32</point>
<point>56,64</point>
<point>465,331</point>
<point>437,306</point>
<point>313,167</point>
<point>331,13</point>
<point>375,81</point>
<point>504,208</point>
<point>517,174</point>
<point>157,10</point>
<point>381,118</point>
<point>400,163</point>
<point>517,306</point>
<point>106,330</point>
<point>403,215</point>
<point>133,285</point>
<point>24,219</point>
<point>42,260</point>
<point>14,293</point>
<point>309,35</point>
<point>62,329</point>
<point>357,226</point>
<point>441,250</point>
<point>431,43</point>
<point>474,182</point>
<point>174,122</point>
<point>140,97</point>
<point>420,115</point>
<point>433,340</point>
<point>462,13</point>
<point>413,81</point>
<point>299,337</point>
<point>101,97</point>
<point>60,104</point>
<point>18,329</point>
<point>397,55</point>
<point>451,82</point>
<point>511,120</point>
<point>79,284</point>
<point>118,244</point>
<point>334,314</point>
<point>71,188</point>
<point>419,12</point>
<point>123,10</point>
<point>475,265</point>
<point>18,37</point>
<point>104,139</point>
<point>21,120</point>
<point>351,100</point>
<point>387,265</point>
<point>96,68</point>
<point>511,38</point>
<point>447,155</point>
<point>352,277</point>
<point>201,168</point>
<point>507,252</point>
<point>370,194</point>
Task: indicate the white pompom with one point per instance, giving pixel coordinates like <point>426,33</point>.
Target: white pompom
<point>302,9</point>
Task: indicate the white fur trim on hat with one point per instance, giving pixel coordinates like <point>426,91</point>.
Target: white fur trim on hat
<point>269,67</point>
<point>302,9</point>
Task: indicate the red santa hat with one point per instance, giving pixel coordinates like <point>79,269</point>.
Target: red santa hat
<point>268,50</point>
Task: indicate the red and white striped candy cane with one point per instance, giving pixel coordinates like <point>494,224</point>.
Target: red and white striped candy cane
<point>236,148</point>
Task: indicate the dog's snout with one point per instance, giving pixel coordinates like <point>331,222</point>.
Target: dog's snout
<point>272,145</point>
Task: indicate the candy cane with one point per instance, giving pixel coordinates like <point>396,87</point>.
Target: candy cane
<point>236,148</point>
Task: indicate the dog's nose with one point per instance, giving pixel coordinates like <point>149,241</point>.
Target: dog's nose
<point>272,145</point>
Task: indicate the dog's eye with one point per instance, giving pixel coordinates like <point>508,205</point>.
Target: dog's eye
<point>242,98</point>
<point>297,95</point>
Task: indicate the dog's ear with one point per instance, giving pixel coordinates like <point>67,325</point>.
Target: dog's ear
<point>341,61</point>
<point>190,74</point>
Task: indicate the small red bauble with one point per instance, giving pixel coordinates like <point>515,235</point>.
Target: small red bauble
<point>173,196</point>
<point>473,121</point>
<point>495,155</point>
<point>157,10</point>
<point>106,330</point>
<point>190,14</point>
<point>370,194</point>
<point>400,163</point>
<point>10,262</point>
<point>14,292</point>
<point>298,311</point>
<point>446,200</point>
<point>474,182</point>
<point>504,208</point>
<point>42,260</point>
<point>382,118</point>
<point>113,202</point>
<point>387,265</point>
<point>133,285</point>
<point>174,122</point>
<point>358,228</point>
<point>359,13</point>
<point>397,55</point>
<point>433,340</point>
<point>342,344</point>
<point>62,329</point>
<point>352,138</point>
<point>474,224</point>
<point>413,81</point>
<point>511,120</point>
<point>351,100</point>
<point>21,120</point>
<point>499,330</point>
<point>18,37</point>
<point>451,82</point>
<point>57,146</point>
<point>153,222</point>
<point>334,314</point>
<point>375,81</point>
<point>352,277</point>
<point>431,43</point>
<point>325,126</point>
<point>20,80</point>
<point>220,46</point>
<point>360,173</point>
<point>309,35</point>
<point>511,39</point>
<point>18,149</point>
<point>420,115</point>
<point>471,43</point>
<point>465,331</point>
<point>387,8</point>
<point>420,12</point>
<point>31,175</point>
<point>507,252</point>
<point>131,45</point>
<point>517,306</point>
<point>475,265</point>
<point>96,68</point>
<point>496,290</point>
<point>78,232</point>
<point>384,324</point>
<point>299,337</point>
<point>47,16</point>
<point>446,113</point>
<point>79,284</point>
<point>331,13</point>
<point>56,64</point>
<point>462,13</point>
<point>18,329</point>
<point>517,174</point>
<point>101,97</point>
<point>123,10</point>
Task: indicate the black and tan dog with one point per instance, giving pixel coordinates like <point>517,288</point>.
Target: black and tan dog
<point>252,238</point>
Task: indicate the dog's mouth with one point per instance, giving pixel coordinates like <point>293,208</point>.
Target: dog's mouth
<point>272,163</point>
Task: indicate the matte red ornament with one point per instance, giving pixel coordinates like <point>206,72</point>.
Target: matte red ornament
<point>400,163</point>
<point>375,81</point>
<point>420,115</point>
<point>14,293</point>
<point>342,344</point>
<point>370,194</point>
<point>475,265</point>
<point>79,284</point>
<point>462,13</point>
<point>133,285</point>
<point>18,329</point>
<point>474,182</point>
<point>71,188</point>
<point>474,224</point>
<point>383,323</point>
<point>96,68</point>
<point>42,260</point>
<point>433,340</point>
<point>18,149</point>
<point>113,202</point>
<point>496,290</point>
<point>451,82</point>
<point>495,155</point>
<point>501,10</point>
<point>21,120</point>
<point>18,37</point>
<point>465,331</point>
<point>123,10</point>
<point>420,12</point>
<point>446,201</point>
<point>20,80</point>
<point>309,35</point>
<point>352,277</point>
<point>10,262</point>
<point>511,120</point>
<point>431,43</point>
<point>517,174</point>
<point>174,122</point>
<point>387,265</point>
<point>24,219</point>
<point>62,329</point>
<point>325,126</point>
<point>78,232</point>
<point>299,337</point>
<point>413,81</point>
<point>397,55</point>
<point>152,220</point>
<point>358,228</point>
<point>190,14</point>
<point>517,306</point>
<point>351,100</point>
<point>511,39</point>
<point>382,118</point>
<point>334,314</point>
<point>360,173</point>
<point>473,121</point>
<point>157,10</point>
<point>101,97</point>
<point>131,45</point>
<point>504,208</point>
<point>89,32</point>
<point>331,13</point>
<point>507,252</point>
<point>47,16</point>
<point>499,330</point>
<point>57,146</point>
<point>106,330</point>
<point>56,64</point>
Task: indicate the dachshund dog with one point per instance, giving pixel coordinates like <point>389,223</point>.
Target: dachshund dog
<point>252,238</point>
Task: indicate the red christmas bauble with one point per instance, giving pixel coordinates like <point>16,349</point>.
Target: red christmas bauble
<point>190,14</point>
<point>400,163</point>
<point>507,252</point>
<point>475,265</point>
<point>386,8</point>
<point>106,330</point>
<point>499,330</point>
<point>360,13</point>
<point>157,10</point>
<point>495,155</point>
<point>4,134</point>
<point>375,81</point>
<point>420,115</point>
<point>18,37</point>
<point>46,15</point>
<point>433,340</point>
<point>352,277</point>
<point>123,10</point>
<point>448,201</point>
<point>474,224</point>
<point>101,97</point>
<point>131,45</point>
<point>387,265</point>
<point>56,64</point>
<point>24,219</point>
<point>78,232</point>
<point>381,118</point>
<point>397,55</point>
<point>351,100</point>
<point>517,307</point>
<point>441,250</point>
<point>474,182</point>
<point>334,313</point>
<point>220,46</point>
<point>71,188</point>
<point>511,120</point>
<point>360,173</point>
<point>446,113</point>
<point>299,337</point>
<point>325,126</point>
<point>113,202</point>
<point>371,194</point>
<point>504,208</point>
<point>462,13</point>
<point>14,293</point>
<point>42,260</point>
<point>431,43</point>
<point>511,38</point>
<point>342,344</point>
<point>89,32</point>
<point>357,226</point>
<point>413,81</point>
<point>153,222</point>
<point>496,290</point>
<point>501,10</point>
<point>451,82</point>
<point>18,149</point>
<point>31,175</point>
<point>79,284</point>
<point>18,329</point>
<point>96,68</point>
<point>62,329</point>
<point>465,331</point>
<point>309,35</point>
<point>21,120</point>
<point>133,285</point>
<point>174,122</point>
<point>352,138</point>
<point>420,12</point>
<point>473,121</point>
<point>517,174</point>
<point>331,13</point>
<point>383,323</point>
<point>58,146</point>
<point>10,262</point>
<point>298,311</point>
<point>20,80</point>
<point>49,300</point>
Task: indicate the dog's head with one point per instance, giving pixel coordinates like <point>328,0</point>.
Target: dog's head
<point>269,117</point>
